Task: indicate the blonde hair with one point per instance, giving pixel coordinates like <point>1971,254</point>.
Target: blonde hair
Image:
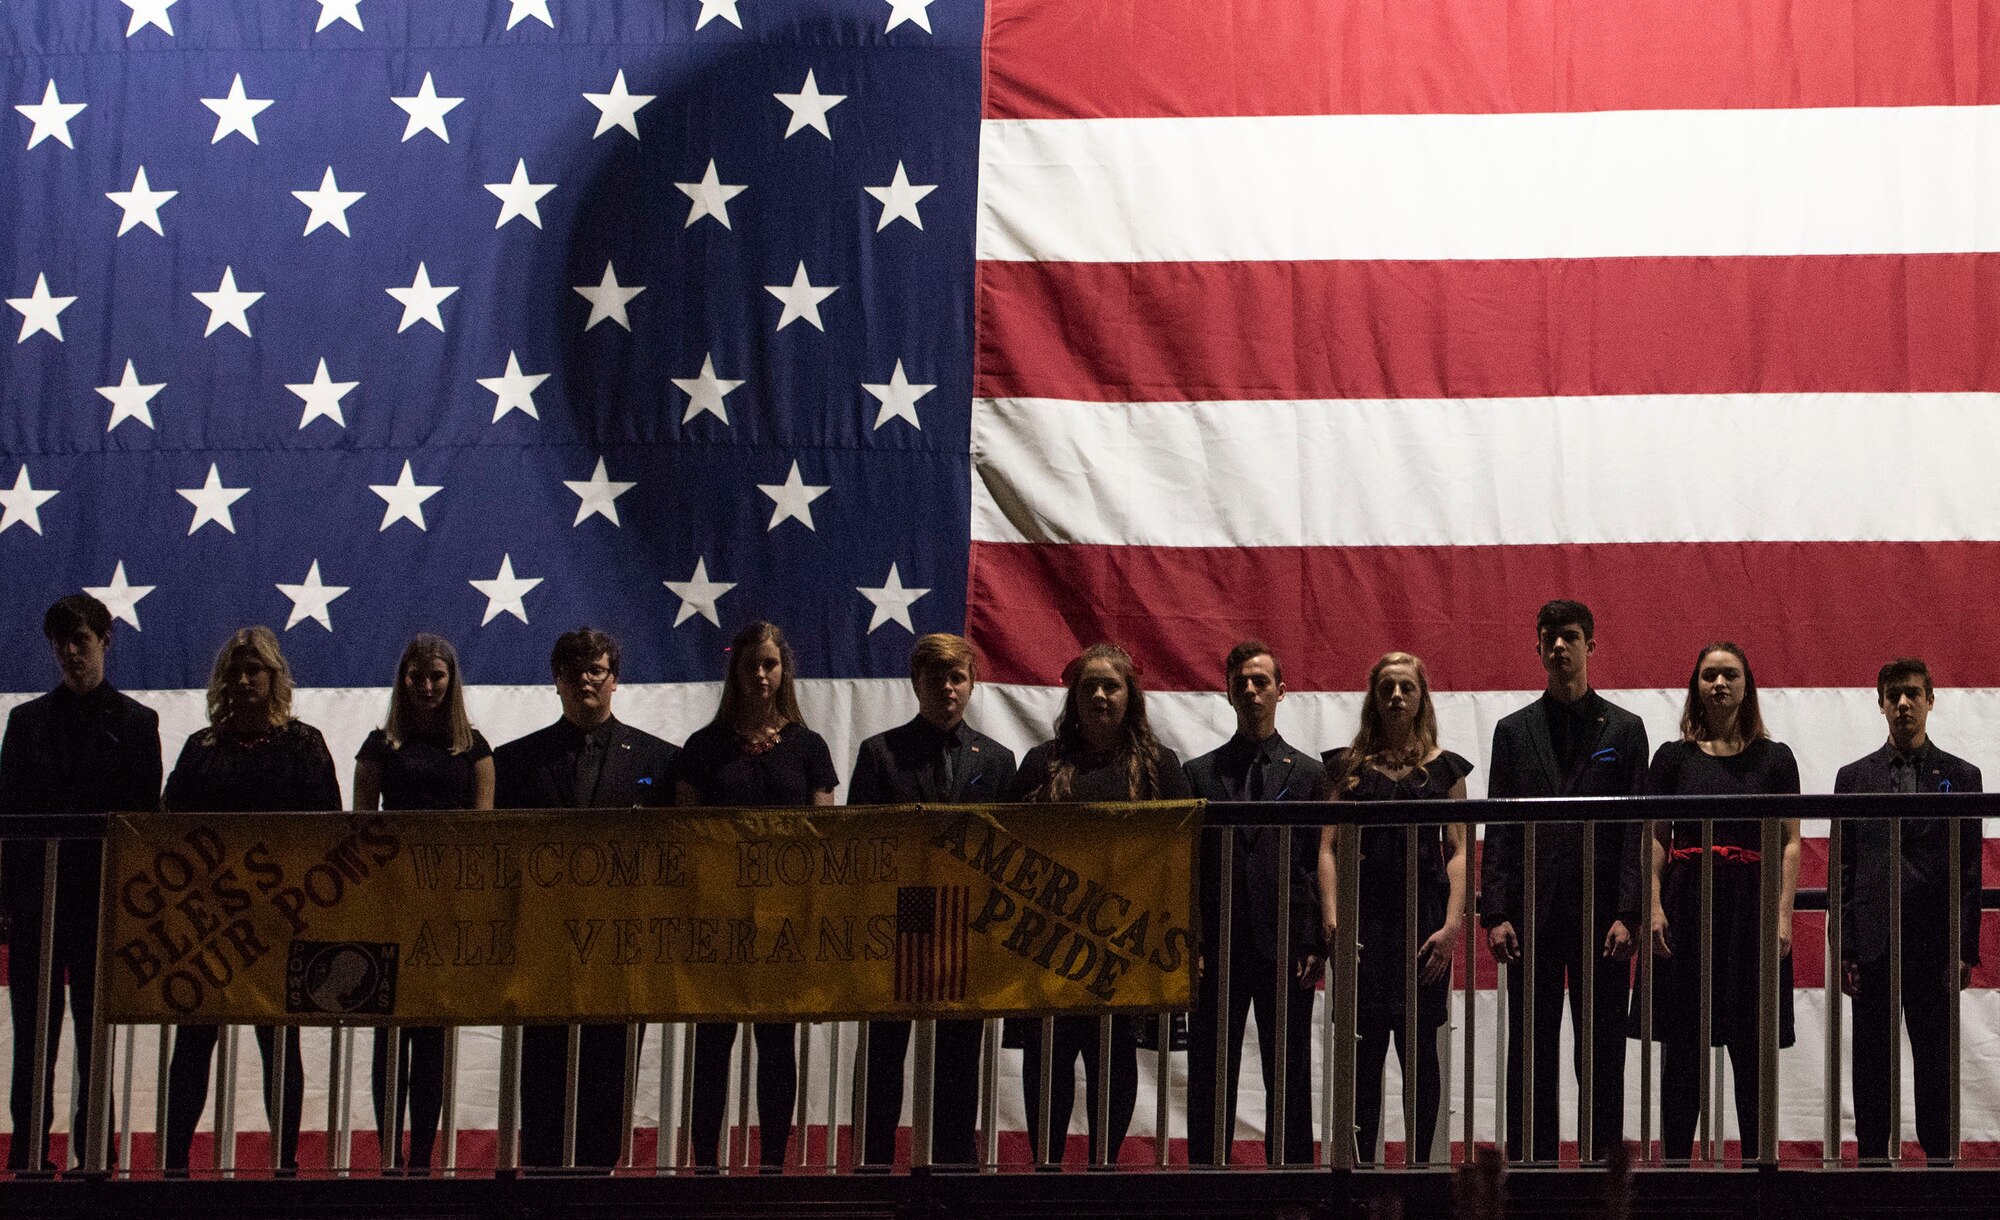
<point>1372,735</point>
<point>458,729</point>
<point>260,642</point>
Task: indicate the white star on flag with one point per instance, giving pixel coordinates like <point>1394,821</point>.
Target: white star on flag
<point>51,116</point>
<point>404,499</point>
<point>709,197</point>
<point>698,594</point>
<point>892,602</point>
<point>520,197</point>
<point>321,396</point>
<point>311,599</point>
<point>129,399</point>
<point>792,499</point>
<point>597,496</point>
<point>211,501</point>
<point>916,12</point>
<point>505,591</point>
<point>121,597</point>
<point>706,391</point>
<point>227,306</point>
<point>514,390</point>
<point>421,300</point>
<point>328,205</point>
<point>899,199</point>
<point>898,398</point>
<point>23,505</point>
<point>427,110</point>
<point>608,298</point>
<point>725,9</point>
<point>618,108</point>
<point>236,113</point>
<point>809,107</point>
<point>801,299</point>
<point>141,204</point>
<point>524,9</point>
<point>331,11</point>
<point>149,12</point>
<point>40,311</point>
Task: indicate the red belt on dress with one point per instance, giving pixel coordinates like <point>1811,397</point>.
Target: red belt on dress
<point>1723,851</point>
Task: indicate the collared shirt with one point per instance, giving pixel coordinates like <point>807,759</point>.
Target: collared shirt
<point>584,751</point>
<point>945,748</point>
<point>1569,729</point>
<point>1904,769</point>
<point>1243,763</point>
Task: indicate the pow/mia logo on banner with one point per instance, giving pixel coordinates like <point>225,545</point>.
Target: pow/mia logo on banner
<point>341,976</point>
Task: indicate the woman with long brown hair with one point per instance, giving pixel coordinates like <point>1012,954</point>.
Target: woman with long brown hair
<point>1395,756</point>
<point>1103,750</point>
<point>1724,750</point>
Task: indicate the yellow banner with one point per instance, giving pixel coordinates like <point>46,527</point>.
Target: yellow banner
<point>564,915</point>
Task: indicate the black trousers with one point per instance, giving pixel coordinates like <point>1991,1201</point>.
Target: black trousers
<point>954,1091</point>
<point>600,1094</point>
<point>1076,1037</point>
<point>187,1091</point>
<point>1680,1096</point>
<point>419,1086</point>
<point>1559,974</point>
<point>1929,990</point>
<point>1371,1054</point>
<point>777,1087</point>
<point>1253,987</point>
<point>76,958</point>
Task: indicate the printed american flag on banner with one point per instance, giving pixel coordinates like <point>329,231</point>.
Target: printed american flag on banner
<point>931,942</point>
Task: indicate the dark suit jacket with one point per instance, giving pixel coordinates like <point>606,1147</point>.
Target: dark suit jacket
<point>900,767</point>
<point>1291,775</point>
<point>1864,865</point>
<point>1524,764</point>
<point>69,753</point>
<point>533,772</point>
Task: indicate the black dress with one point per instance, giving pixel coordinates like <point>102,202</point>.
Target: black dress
<point>1382,970</point>
<point>422,773</point>
<point>1098,778</point>
<point>288,770</point>
<point>722,772</point>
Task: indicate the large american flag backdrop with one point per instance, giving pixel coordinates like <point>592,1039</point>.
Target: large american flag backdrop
<point>1347,325</point>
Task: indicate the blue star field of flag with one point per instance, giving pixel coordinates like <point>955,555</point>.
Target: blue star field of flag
<point>486,317</point>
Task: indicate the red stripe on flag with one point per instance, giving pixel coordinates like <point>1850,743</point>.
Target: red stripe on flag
<point>1498,328</point>
<point>1149,58</point>
<point>1809,614</point>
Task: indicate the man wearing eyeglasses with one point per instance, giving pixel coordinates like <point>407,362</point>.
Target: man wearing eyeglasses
<point>587,760</point>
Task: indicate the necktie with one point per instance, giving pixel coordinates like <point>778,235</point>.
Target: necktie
<point>1253,789</point>
<point>947,767</point>
<point>589,764</point>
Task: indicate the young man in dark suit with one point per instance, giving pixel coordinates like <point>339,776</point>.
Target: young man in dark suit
<point>1256,764</point>
<point>1933,973</point>
<point>934,759</point>
<point>1570,742</point>
<point>586,760</point>
<point>81,748</point>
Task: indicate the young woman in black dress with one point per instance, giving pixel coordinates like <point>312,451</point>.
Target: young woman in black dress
<point>254,757</point>
<point>1104,750</point>
<point>426,755</point>
<point>756,753</point>
<point>1724,750</point>
<point>1396,757</point>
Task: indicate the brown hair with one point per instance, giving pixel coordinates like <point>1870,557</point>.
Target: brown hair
<point>786,697</point>
<point>427,647</point>
<point>1372,734</point>
<point>1694,713</point>
<point>1139,749</point>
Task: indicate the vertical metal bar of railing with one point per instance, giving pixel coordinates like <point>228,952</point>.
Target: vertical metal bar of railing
<point>1648,879</point>
<point>634,1040</point>
<point>126,1061</point>
<point>225,1103</point>
<point>1471,938</point>
<point>1219,1139</point>
<point>507,1156</point>
<point>1163,1035</point>
<point>802,1041</point>
<point>989,1096</point>
<point>276,1086</point>
<point>1347,886</point>
<point>856,1102</point>
<point>666,1146</point>
<point>448,1105</point>
<point>1829,1147</point>
<point>572,1069</point>
<point>1281,1008</point>
<point>46,980</point>
<point>1103,1154</point>
<point>1771,879</point>
<point>1954,931</point>
<point>1412,937</point>
<point>1586,1033</point>
<point>1895,991</point>
<point>923,1093</point>
<point>1045,1139</point>
<point>390,1137</point>
<point>344,1129</point>
<point>95,1139</point>
<point>746,1049</point>
<point>864,1040</point>
<point>1326,1038</point>
<point>162,1061</point>
<point>1529,901</point>
<point>685,1142</point>
<point>1502,1033</point>
<point>336,1098</point>
<point>1705,942</point>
